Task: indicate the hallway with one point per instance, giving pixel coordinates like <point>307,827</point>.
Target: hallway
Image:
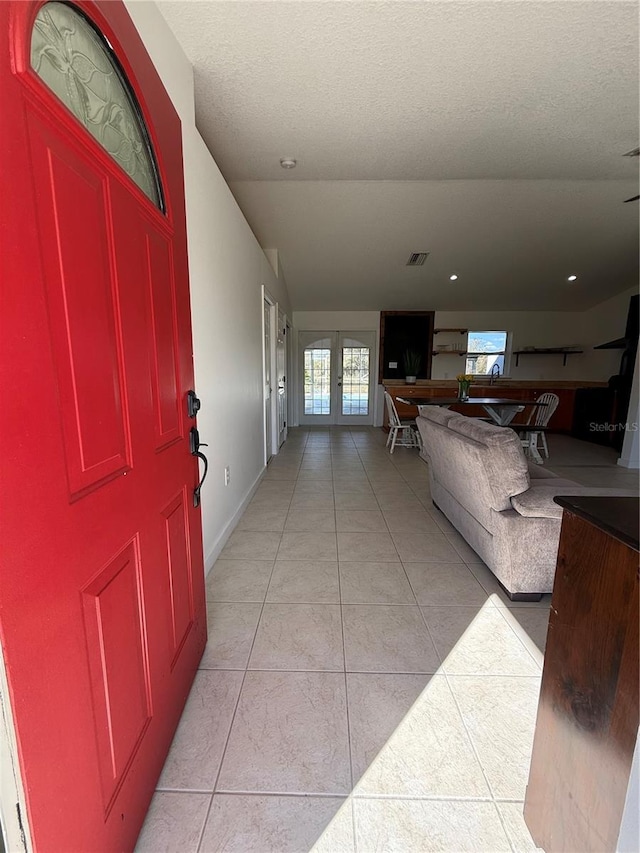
<point>366,686</point>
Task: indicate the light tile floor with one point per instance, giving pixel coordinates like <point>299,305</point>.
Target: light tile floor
<point>366,686</point>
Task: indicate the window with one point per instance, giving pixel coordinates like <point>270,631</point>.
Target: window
<point>484,351</point>
<point>78,65</point>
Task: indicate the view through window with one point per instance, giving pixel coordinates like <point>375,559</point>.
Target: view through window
<point>317,381</point>
<point>484,351</point>
<point>355,380</point>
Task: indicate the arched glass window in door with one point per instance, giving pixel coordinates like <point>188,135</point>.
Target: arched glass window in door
<point>76,62</point>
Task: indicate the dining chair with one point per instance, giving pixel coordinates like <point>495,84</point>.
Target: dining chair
<point>539,417</point>
<point>401,433</point>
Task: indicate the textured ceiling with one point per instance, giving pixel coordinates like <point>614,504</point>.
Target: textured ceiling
<point>488,133</point>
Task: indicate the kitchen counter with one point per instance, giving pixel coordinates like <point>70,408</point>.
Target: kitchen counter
<point>561,420</point>
<point>542,384</point>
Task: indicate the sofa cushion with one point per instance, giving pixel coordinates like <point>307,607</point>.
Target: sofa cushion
<point>438,414</point>
<point>537,472</point>
<point>503,458</point>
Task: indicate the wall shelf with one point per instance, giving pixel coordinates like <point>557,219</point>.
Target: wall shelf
<point>448,352</point>
<point>461,331</point>
<point>557,351</point>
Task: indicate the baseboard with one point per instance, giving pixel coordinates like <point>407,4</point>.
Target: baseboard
<point>212,555</point>
<point>630,462</point>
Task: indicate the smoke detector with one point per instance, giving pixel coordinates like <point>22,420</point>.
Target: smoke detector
<point>288,163</point>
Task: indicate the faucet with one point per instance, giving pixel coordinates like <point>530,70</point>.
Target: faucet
<point>495,373</point>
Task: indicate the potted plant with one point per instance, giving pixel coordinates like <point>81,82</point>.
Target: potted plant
<point>412,361</point>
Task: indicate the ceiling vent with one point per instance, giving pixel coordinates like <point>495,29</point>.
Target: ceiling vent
<point>635,152</point>
<point>417,259</point>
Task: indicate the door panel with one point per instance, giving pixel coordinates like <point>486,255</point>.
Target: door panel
<point>116,652</point>
<point>83,304</point>
<point>179,566</point>
<point>164,364</point>
<point>317,370</point>
<point>102,613</point>
<point>355,357</point>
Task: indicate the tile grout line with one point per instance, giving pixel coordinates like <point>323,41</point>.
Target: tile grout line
<point>346,687</point>
<point>235,710</point>
<point>480,764</point>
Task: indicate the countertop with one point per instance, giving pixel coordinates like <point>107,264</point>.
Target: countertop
<point>499,385</point>
<point>619,517</point>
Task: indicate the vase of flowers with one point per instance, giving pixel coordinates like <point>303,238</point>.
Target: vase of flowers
<point>464,383</point>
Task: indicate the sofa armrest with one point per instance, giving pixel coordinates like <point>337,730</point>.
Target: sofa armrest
<point>539,503</point>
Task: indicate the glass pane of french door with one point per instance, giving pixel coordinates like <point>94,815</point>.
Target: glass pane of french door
<point>317,381</point>
<point>355,380</point>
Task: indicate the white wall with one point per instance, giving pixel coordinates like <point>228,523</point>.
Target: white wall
<point>227,269</point>
<point>606,322</point>
<point>586,329</point>
<point>629,838</point>
<point>630,456</point>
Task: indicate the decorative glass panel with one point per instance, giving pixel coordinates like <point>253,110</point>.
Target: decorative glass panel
<point>77,64</point>
<point>317,381</point>
<point>355,380</point>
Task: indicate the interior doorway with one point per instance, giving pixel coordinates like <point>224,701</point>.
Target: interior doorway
<point>281,377</point>
<point>267,328</point>
<point>336,383</point>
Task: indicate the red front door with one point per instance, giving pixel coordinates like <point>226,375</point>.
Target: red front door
<point>102,613</point>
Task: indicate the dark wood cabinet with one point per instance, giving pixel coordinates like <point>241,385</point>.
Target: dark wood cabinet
<point>587,723</point>
<point>402,331</point>
<point>561,419</point>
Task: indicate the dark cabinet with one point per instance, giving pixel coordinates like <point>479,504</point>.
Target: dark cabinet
<point>587,722</point>
<point>401,332</point>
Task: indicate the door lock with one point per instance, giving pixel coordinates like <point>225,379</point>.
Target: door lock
<point>193,404</point>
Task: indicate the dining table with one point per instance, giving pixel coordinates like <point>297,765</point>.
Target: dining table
<point>501,410</point>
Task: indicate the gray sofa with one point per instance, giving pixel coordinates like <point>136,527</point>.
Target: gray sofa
<point>501,505</point>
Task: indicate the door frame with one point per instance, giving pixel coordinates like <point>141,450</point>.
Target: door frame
<point>14,818</point>
<point>282,337</point>
<point>272,414</point>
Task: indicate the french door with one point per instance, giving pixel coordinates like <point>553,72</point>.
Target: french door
<point>336,385</point>
<point>102,608</point>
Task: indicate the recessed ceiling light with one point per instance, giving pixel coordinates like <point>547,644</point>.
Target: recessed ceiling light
<point>453,277</point>
<point>288,163</point>
<point>572,278</point>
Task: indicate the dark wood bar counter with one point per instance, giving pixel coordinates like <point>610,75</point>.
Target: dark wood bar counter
<point>587,723</point>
